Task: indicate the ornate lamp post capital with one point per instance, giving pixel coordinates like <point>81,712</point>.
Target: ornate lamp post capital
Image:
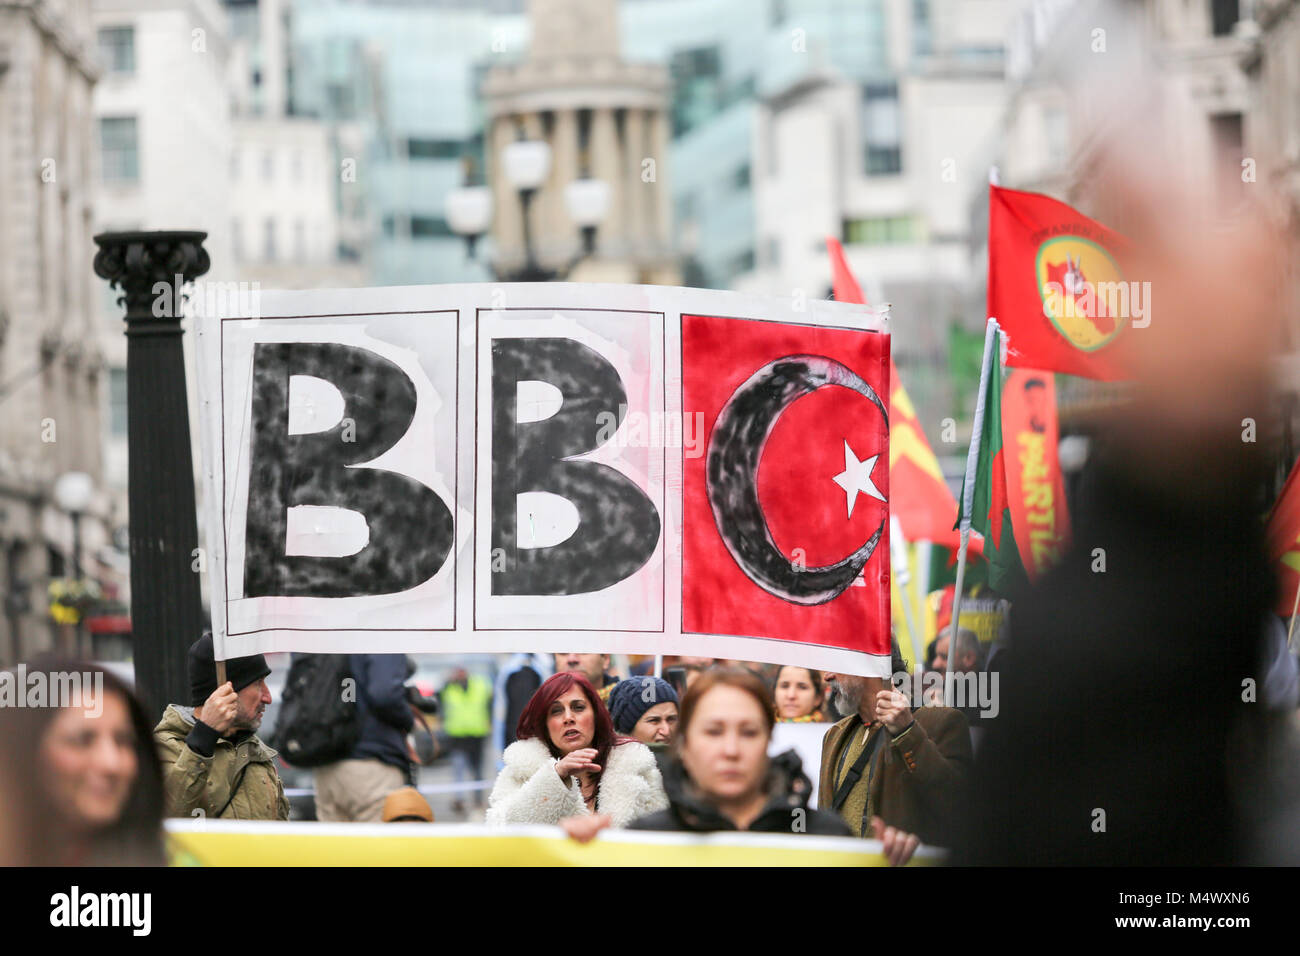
<point>135,262</point>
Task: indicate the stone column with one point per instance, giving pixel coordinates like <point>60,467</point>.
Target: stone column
<point>607,164</point>
<point>564,238</point>
<point>662,196</point>
<point>166,610</point>
<point>507,227</point>
<point>642,146</point>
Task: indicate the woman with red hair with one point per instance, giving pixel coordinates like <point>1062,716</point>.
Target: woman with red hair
<point>569,762</point>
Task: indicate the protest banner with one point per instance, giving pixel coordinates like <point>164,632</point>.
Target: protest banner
<point>257,843</point>
<point>549,467</point>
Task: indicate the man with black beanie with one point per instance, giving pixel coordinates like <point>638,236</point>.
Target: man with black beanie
<point>213,763</point>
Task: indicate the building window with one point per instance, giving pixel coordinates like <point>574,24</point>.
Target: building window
<point>1224,15</point>
<point>234,165</point>
<point>434,148</point>
<point>743,263</point>
<point>1226,130</point>
<point>236,240</point>
<point>741,178</point>
<point>268,165</point>
<point>698,88</point>
<point>117,402</point>
<point>922,41</point>
<point>268,241</point>
<point>880,230</point>
<point>120,160</point>
<point>429,227</point>
<point>117,49</point>
<point>882,129</point>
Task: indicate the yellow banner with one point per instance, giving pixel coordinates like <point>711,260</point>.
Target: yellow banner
<point>204,843</point>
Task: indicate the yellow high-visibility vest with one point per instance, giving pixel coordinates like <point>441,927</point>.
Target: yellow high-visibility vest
<point>465,711</point>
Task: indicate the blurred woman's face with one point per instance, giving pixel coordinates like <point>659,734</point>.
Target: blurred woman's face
<point>657,724</point>
<point>89,763</point>
<point>796,694</point>
<point>570,722</point>
<point>725,747</point>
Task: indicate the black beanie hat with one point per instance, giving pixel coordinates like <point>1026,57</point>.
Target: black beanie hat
<point>631,698</point>
<point>240,671</point>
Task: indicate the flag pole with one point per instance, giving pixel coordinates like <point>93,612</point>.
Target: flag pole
<point>898,545</point>
<point>1290,631</point>
<point>968,499</point>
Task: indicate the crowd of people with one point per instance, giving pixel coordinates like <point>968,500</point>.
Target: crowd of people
<point>688,751</point>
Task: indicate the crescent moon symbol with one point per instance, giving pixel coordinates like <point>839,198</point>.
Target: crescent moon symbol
<point>735,449</point>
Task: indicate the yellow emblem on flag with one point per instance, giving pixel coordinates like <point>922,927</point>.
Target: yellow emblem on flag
<point>1082,290</point>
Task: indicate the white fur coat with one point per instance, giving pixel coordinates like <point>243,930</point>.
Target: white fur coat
<point>528,790</point>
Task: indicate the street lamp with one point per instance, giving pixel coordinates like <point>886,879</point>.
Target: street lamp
<point>526,165</point>
<point>72,493</point>
<point>469,213</point>
<point>166,606</point>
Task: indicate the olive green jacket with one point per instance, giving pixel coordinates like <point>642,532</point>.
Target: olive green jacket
<point>192,782</point>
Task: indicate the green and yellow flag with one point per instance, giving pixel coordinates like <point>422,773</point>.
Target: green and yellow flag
<point>990,510</point>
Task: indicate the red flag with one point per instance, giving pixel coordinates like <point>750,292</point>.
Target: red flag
<point>1035,486</point>
<point>786,520</point>
<point>1284,542</point>
<point>843,285</point>
<point>1057,287</point>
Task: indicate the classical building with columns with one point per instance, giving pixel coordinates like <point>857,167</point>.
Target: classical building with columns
<point>604,118</point>
<point>51,366</point>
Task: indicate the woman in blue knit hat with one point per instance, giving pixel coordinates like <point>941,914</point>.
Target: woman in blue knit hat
<point>644,708</point>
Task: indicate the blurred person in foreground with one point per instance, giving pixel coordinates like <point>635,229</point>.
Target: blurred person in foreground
<point>885,760</point>
<point>214,764</point>
<point>595,667</point>
<point>82,785</point>
<point>798,694</point>
<point>723,778</point>
<point>1124,735</point>
<point>568,761</point>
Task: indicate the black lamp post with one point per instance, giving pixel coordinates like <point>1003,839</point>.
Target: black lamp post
<point>166,607</point>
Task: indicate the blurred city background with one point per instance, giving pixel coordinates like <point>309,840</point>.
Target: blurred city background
<point>712,143</point>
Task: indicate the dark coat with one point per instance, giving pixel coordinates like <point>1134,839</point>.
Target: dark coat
<point>383,709</point>
<point>786,810</point>
<point>1122,689</point>
<point>922,774</point>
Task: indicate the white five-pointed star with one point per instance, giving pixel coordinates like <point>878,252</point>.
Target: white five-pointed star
<point>856,477</point>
